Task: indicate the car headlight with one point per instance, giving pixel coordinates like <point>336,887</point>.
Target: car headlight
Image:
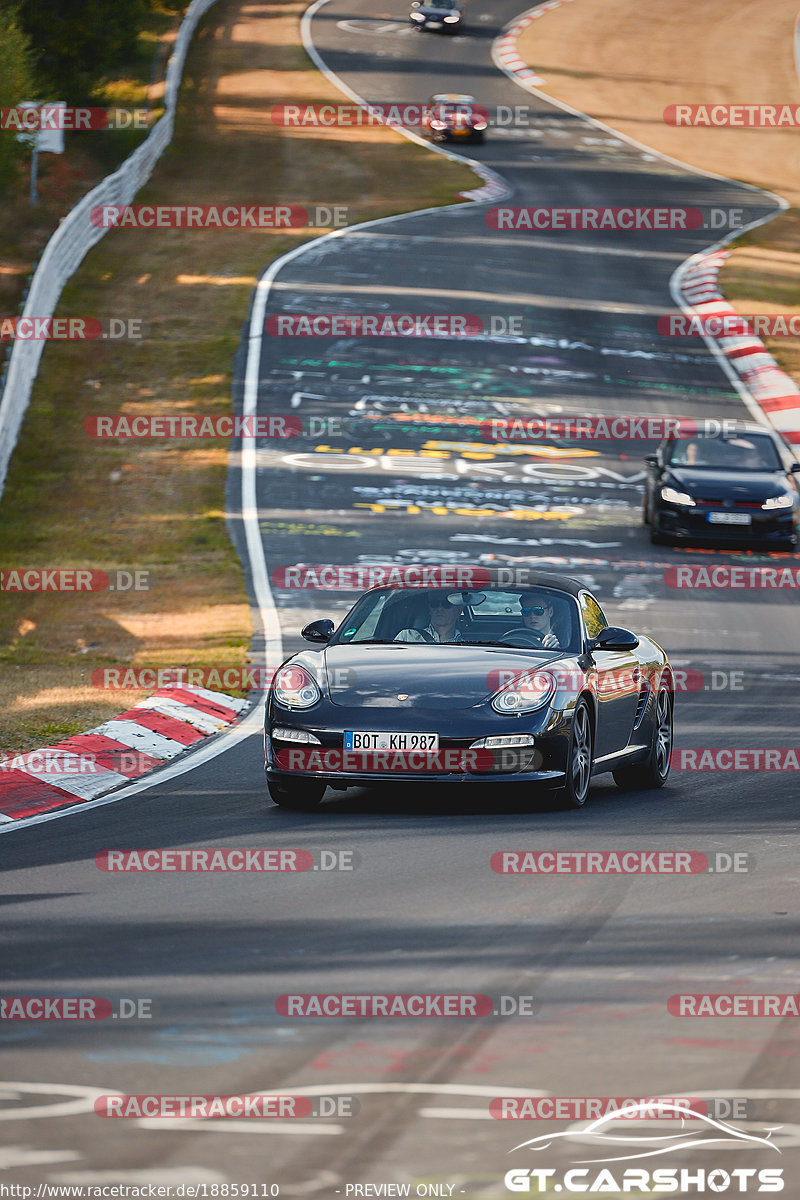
<point>673,497</point>
<point>438,124</point>
<point>417,16</point>
<point>524,694</point>
<point>503,742</point>
<point>773,502</point>
<point>451,20</point>
<point>478,124</point>
<point>296,688</point>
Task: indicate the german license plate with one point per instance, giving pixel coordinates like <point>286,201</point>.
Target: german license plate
<point>390,741</point>
<point>729,518</point>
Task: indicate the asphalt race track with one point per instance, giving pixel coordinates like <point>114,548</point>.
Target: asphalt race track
<point>421,910</point>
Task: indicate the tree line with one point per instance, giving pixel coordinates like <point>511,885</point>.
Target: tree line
<point>66,50</point>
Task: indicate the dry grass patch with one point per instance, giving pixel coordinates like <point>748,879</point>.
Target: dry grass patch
<point>159,505</point>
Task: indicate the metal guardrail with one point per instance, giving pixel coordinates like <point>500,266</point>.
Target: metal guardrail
<point>76,235</point>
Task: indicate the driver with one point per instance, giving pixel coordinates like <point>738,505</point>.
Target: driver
<point>537,615</point>
<point>443,619</point>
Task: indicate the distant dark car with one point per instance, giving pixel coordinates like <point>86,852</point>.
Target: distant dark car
<point>452,117</point>
<point>445,15</point>
<point>520,686</point>
<point>738,489</point>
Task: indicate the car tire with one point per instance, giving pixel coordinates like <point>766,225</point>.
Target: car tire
<point>579,759</point>
<point>303,795</point>
<point>657,538</point>
<point>653,772</point>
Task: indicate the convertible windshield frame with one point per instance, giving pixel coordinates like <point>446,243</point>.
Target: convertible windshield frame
<point>371,620</point>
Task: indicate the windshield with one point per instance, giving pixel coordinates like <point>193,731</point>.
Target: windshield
<point>745,452</point>
<point>538,618</point>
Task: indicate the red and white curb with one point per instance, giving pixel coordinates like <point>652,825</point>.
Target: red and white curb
<point>505,48</point>
<point>154,732</point>
<point>493,189</point>
<point>765,389</point>
<point>774,392</point>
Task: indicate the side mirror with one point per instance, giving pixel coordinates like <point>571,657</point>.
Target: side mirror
<point>318,631</point>
<point>652,460</point>
<point>795,468</point>
<point>614,638</point>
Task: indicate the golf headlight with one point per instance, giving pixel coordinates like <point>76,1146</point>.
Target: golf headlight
<point>784,501</point>
<point>451,20</point>
<point>478,124</point>
<point>295,688</point>
<point>436,124</point>
<point>417,16</point>
<point>525,694</point>
<point>673,497</point>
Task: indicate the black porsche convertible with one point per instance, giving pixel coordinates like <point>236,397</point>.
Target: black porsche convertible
<point>520,684</point>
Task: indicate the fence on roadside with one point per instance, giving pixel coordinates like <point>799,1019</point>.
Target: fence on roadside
<point>76,235</point>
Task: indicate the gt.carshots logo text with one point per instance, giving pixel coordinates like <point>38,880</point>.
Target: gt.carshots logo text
<point>436,325</point>
<point>584,219</point>
<point>626,1180</point>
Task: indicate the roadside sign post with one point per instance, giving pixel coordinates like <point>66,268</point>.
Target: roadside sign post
<point>50,141</point>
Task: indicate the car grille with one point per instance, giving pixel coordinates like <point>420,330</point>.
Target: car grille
<point>719,502</point>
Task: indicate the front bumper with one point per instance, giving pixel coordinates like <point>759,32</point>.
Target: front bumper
<point>693,523</point>
<point>544,762</point>
<point>341,780</point>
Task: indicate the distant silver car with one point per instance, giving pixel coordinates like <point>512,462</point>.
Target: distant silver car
<point>444,15</point>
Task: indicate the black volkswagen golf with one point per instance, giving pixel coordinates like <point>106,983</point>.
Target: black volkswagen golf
<point>739,489</point>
